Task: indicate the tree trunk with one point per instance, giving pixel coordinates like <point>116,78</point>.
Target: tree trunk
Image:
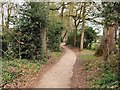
<point>2,9</point>
<point>44,46</point>
<point>9,8</point>
<point>119,58</point>
<point>99,51</point>
<point>64,35</point>
<point>83,27</point>
<point>75,36</point>
<point>109,44</point>
<point>4,43</point>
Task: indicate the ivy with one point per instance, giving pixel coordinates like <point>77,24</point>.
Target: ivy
<point>54,36</point>
<point>33,17</point>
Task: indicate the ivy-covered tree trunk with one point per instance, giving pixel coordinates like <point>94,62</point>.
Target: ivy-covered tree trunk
<point>44,41</point>
<point>99,51</point>
<point>108,43</point>
<point>119,58</point>
<point>5,28</point>
<point>2,20</point>
<point>4,44</point>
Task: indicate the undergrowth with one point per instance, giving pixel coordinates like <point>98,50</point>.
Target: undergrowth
<point>16,68</point>
<point>104,73</point>
<point>107,74</point>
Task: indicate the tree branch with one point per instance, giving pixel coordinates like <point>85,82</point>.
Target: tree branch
<point>92,20</point>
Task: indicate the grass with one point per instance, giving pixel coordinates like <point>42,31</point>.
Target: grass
<point>87,57</point>
<point>56,54</point>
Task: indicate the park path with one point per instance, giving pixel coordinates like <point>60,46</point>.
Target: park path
<point>59,76</point>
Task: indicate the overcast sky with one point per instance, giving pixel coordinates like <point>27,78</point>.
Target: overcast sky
<point>21,1</point>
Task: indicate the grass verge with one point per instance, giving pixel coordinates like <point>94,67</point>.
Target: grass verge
<point>87,57</point>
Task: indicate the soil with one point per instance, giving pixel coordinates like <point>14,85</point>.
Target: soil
<point>80,75</point>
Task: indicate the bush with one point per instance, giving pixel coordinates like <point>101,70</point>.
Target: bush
<point>27,44</point>
<point>108,80</point>
<point>109,76</point>
<point>54,36</point>
<point>70,39</point>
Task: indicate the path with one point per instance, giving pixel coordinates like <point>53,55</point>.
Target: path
<point>59,75</point>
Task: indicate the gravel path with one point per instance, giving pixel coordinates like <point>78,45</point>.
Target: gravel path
<point>59,75</point>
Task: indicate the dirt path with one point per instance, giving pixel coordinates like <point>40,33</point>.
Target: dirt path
<point>59,75</point>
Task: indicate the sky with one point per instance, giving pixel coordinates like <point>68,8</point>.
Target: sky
<point>88,23</point>
<point>97,1</point>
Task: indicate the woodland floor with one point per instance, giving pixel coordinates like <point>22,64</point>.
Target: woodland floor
<point>79,78</point>
<point>30,80</point>
<point>67,71</point>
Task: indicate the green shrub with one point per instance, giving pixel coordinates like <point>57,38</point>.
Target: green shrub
<point>14,68</point>
<point>70,39</point>
<point>27,43</point>
<point>54,36</point>
<point>108,80</point>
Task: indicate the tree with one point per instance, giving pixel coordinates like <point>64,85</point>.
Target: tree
<point>119,58</point>
<point>4,44</point>
<point>54,34</point>
<point>83,26</point>
<point>6,9</point>
<point>2,20</point>
<point>33,18</point>
<point>90,36</point>
<point>75,10</point>
<point>110,16</point>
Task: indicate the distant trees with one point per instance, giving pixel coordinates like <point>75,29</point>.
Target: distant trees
<point>6,10</point>
<point>90,36</point>
<point>80,12</point>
